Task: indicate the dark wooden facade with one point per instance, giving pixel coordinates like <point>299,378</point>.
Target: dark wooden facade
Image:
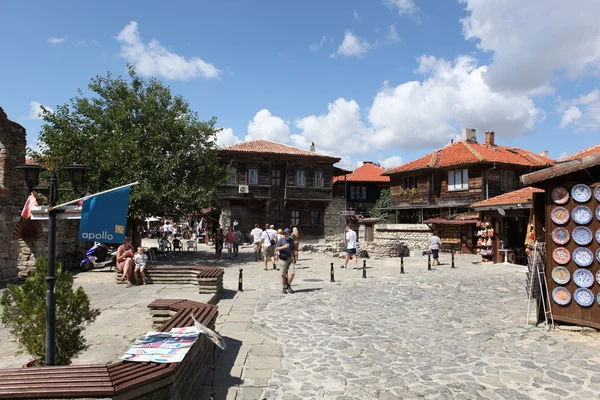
<point>276,196</point>
<point>431,197</point>
<point>350,190</point>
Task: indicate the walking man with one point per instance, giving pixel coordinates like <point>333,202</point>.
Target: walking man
<point>285,247</point>
<point>435,244</point>
<point>268,242</point>
<point>256,235</point>
<point>350,247</point>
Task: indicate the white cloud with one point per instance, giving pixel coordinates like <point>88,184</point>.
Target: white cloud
<point>392,35</point>
<point>57,40</point>
<point>268,127</point>
<point>321,43</point>
<point>403,6</point>
<point>352,46</point>
<point>356,16</point>
<point>583,112</point>
<point>535,41</point>
<point>35,110</point>
<point>225,137</point>
<point>154,59</point>
<point>391,162</point>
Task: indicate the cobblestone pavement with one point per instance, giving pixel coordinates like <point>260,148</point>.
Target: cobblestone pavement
<point>445,334</point>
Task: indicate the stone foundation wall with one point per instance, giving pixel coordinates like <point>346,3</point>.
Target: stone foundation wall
<point>334,222</point>
<point>415,236</point>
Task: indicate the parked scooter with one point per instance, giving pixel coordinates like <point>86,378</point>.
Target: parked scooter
<point>99,256</point>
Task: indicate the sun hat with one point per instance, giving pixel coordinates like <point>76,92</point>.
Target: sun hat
<point>286,230</point>
<point>272,226</point>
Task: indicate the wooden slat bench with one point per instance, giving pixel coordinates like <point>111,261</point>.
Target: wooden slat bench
<point>124,379</point>
<point>208,279</point>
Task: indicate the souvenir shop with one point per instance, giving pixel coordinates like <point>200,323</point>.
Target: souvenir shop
<point>570,217</point>
<point>501,234</point>
<point>457,234</point>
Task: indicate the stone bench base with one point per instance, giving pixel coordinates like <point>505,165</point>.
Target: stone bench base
<point>208,279</point>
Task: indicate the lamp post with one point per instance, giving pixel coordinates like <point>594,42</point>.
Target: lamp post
<point>32,174</point>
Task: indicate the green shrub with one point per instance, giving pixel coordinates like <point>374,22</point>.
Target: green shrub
<point>24,313</point>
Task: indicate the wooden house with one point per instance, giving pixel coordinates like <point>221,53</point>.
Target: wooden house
<point>362,187</point>
<point>277,184</point>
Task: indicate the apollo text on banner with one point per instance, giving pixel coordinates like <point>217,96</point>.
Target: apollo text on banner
<point>104,217</point>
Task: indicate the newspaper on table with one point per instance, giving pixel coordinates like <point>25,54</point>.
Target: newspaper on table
<point>163,347</point>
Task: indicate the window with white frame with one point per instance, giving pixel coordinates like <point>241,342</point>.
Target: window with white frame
<point>300,178</point>
<point>318,179</point>
<point>252,176</point>
<point>458,179</point>
<point>508,181</point>
<point>295,217</point>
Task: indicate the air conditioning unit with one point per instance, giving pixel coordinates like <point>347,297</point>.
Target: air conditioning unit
<point>244,189</point>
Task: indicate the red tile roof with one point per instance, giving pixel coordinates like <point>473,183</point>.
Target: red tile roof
<point>524,195</point>
<point>464,153</point>
<point>583,153</point>
<point>268,147</point>
<point>368,172</point>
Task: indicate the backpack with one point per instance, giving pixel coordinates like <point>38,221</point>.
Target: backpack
<point>272,240</point>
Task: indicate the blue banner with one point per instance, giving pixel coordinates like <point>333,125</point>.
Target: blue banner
<point>104,217</point>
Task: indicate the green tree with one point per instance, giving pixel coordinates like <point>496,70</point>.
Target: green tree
<point>382,206</point>
<point>24,313</point>
<point>135,130</point>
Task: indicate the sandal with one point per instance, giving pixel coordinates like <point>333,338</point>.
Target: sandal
<point>129,284</point>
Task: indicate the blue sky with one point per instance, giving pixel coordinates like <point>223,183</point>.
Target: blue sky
<point>382,80</point>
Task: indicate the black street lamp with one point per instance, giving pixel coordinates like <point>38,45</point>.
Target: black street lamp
<point>32,175</point>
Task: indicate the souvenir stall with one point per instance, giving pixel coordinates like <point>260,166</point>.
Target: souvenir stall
<point>571,213</point>
<point>457,234</point>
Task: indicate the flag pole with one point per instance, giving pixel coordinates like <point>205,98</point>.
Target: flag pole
<point>92,195</point>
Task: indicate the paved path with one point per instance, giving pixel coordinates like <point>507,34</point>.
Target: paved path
<point>445,334</point>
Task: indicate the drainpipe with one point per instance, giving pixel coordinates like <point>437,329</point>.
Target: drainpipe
<point>487,182</point>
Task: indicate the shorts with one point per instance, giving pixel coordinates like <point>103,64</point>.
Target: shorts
<point>229,246</point>
<point>256,246</point>
<point>140,267</point>
<point>435,253</point>
<point>270,251</point>
<point>286,265</point>
<point>351,252</point>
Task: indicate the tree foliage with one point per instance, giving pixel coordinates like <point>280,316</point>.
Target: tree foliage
<point>381,208</point>
<point>135,130</point>
<point>24,313</point>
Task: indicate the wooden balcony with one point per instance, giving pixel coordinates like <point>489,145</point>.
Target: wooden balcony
<point>254,192</point>
<point>308,193</point>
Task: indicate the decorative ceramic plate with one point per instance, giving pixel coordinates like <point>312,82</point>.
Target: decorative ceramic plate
<point>598,236</point>
<point>598,278</point>
<point>583,278</point>
<point>560,215</point>
<point>598,298</point>
<point>560,195</point>
<point>584,297</point>
<point>598,255</point>
<point>561,296</point>
<point>561,255</point>
<point>582,236</point>
<point>581,193</point>
<point>583,257</point>
<point>561,236</point>
<point>597,193</point>
<point>598,211</point>
<point>582,215</point>
<point>561,275</point>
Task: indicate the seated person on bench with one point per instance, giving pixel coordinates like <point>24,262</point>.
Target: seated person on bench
<point>140,260</point>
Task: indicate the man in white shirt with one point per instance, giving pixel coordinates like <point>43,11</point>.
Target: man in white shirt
<point>267,242</point>
<point>256,236</point>
<point>350,247</point>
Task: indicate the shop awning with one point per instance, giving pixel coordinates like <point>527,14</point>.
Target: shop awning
<point>442,221</point>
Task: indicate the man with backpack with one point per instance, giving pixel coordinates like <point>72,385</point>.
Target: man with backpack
<point>285,247</point>
<point>267,242</point>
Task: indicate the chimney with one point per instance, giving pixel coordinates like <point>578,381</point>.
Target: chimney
<point>489,138</point>
<point>469,135</point>
<point>367,162</point>
<point>312,147</point>
<point>545,153</point>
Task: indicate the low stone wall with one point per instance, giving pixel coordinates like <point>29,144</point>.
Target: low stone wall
<point>415,236</point>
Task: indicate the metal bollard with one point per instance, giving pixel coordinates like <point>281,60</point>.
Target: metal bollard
<point>429,262</point>
<point>332,276</point>
<point>401,264</point>
<point>241,281</point>
<point>364,269</point>
<point>452,260</point>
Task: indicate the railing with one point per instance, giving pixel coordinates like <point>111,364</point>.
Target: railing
<point>308,193</point>
<point>231,191</point>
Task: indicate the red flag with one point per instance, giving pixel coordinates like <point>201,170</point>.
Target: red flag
<point>29,204</point>
<point>80,202</point>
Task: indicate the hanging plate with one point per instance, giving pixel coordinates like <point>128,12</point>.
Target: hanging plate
<point>584,297</point>
<point>598,255</point>
<point>561,255</point>
<point>598,277</point>
<point>561,236</point>
<point>598,234</point>
<point>598,211</point>
<point>560,215</point>
<point>560,195</point>
<point>582,236</point>
<point>582,215</point>
<point>561,296</point>
<point>583,278</point>
<point>561,275</point>
<point>581,193</point>
<point>597,193</point>
<point>583,257</point>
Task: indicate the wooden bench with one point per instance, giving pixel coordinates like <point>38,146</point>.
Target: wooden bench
<point>208,279</point>
<point>124,379</point>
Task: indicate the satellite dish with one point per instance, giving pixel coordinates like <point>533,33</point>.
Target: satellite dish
<point>501,211</point>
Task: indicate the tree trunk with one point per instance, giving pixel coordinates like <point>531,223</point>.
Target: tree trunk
<point>136,238</point>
